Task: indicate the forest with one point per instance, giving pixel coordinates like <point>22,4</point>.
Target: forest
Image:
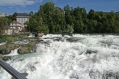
<point>53,19</point>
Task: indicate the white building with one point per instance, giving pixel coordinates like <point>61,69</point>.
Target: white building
<point>22,18</point>
<point>16,27</point>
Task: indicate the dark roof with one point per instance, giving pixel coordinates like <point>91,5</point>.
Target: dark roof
<point>22,14</point>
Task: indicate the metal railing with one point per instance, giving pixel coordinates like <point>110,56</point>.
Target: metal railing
<point>11,70</point>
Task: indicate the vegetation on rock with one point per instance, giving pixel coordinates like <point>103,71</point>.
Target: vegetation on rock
<point>28,48</point>
<point>6,48</point>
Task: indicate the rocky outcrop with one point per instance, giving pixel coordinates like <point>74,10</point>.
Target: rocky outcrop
<point>6,48</point>
<point>28,48</point>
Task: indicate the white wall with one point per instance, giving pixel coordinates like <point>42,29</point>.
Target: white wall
<point>22,20</point>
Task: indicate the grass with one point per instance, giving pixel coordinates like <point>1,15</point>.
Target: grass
<point>11,38</point>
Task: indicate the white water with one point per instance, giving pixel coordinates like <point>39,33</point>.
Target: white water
<point>77,57</point>
<point>2,43</point>
<point>13,52</point>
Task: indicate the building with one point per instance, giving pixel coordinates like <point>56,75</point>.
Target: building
<point>6,30</point>
<point>16,27</point>
<point>22,18</point>
<point>3,15</point>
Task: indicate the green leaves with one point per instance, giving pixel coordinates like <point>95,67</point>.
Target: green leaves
<point>53,19</point>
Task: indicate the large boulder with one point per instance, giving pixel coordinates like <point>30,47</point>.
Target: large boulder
<point>24,50</point>
<point>28,48</point>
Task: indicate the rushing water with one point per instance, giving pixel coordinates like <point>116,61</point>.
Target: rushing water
<point>76,57</point>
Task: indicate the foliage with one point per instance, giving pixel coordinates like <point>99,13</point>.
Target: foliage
<point>53,19</point>
<point>5,21</point>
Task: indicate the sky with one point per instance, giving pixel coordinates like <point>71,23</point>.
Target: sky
<point>25,6</point>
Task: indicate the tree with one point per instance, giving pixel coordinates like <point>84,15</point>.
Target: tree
<point>3,22</point>
<point>53,19</point>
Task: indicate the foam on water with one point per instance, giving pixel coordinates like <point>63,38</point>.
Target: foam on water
<point>77,57</point>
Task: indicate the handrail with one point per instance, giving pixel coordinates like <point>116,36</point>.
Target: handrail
<point>11,70</point>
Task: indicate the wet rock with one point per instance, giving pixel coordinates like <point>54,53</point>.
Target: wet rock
<point>28,48</point>
<point>40,34</point>
<point>24,74</point>
<point>24,50</point>
<point>57,39</point>
<point>0,55</point>
<point>73,39</point>
<point>6,49</point>
<point>0,51</point>
<point>5,58</point>
<point>40,40</point>
<point>91,51</point>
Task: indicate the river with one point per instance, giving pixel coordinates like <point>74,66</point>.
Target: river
<point>70,57</point>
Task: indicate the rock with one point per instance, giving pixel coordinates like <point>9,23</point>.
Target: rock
<point>67,33</point>
<point>91,51</point>
<point>0,55</point>
<point>24,50</point>
<point>5,58</point>
<point>24,74</point>
<point>0,51</point>
<point>6,49</point>
<point>40,34</point>
<point>28,48</point>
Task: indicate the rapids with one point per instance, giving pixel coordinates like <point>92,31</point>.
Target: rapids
<point>70,57</point>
